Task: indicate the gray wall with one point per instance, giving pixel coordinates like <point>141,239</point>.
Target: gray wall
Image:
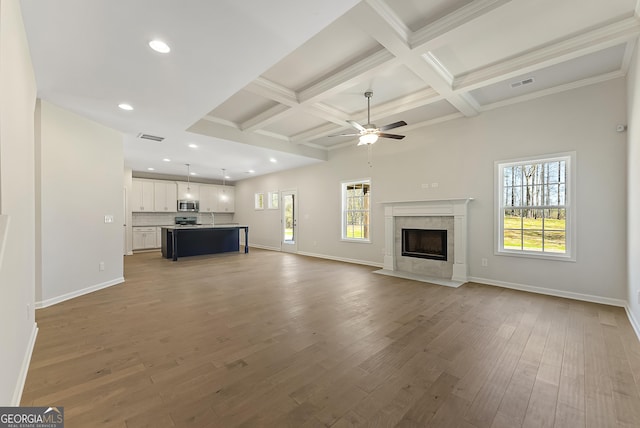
<point>81,181</point>
<point>633,195</point>
<point>17,203</point>
<point>459,155</point>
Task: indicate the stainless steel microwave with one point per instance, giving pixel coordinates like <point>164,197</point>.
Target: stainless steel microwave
<point>186,205</point>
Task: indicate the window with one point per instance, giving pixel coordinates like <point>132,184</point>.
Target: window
<point>356,196</point>
<point>272,200</point>
<point>259,201</point>
<point>534,213</point>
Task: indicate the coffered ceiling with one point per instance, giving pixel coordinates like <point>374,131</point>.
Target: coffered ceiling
<point>277,81</point>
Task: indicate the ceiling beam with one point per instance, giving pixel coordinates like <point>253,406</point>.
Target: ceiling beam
<point>422,37</point>
<point>217,130</point>
<point>375,18</point>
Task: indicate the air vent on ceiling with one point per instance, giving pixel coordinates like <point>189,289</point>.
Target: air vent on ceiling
<point>150,137</point>
<point>519,83</point>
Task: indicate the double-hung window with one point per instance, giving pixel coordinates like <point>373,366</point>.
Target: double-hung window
<point>356,212</point>
<point>535,209</point>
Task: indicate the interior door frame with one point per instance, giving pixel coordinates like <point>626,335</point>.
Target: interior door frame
<point>289,246</point>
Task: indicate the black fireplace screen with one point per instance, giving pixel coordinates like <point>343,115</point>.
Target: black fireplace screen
<point>424,243</point>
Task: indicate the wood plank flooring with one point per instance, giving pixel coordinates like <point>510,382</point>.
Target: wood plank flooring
<point>271,339</point>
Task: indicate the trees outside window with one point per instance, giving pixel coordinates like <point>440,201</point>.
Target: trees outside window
<point>356,212</point>
<point>534,211</point>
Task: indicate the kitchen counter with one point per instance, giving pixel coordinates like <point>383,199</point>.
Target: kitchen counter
<point>205,226</point>
<point>199,239</point>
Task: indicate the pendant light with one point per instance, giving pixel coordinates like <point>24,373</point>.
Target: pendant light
<point>224,196</point>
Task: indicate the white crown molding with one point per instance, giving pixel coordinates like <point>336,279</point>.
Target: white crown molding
<point>273,135</point>
<point>271,90</point>
<point>347,77</point>
<point>265,118</point>
<point>450,22</point>
<point>628,55</point>
<point>391,19</point>
<point>554,90</point>
<point>220,121</point>
<point>583,44</point>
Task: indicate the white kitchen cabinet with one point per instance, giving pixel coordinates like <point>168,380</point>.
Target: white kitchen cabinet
<point>158,237</point>
<point>165,196</point>
<point>189,192</point>
<point>145,238</point>
<point>208,198</point>
<point>226,199</point>
<point>142,195</point>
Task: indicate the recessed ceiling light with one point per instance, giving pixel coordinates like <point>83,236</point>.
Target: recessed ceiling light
<point>273,160</point>
<point>151,169</point>
<point>125,106</point>
<point>193,173</point>
<point>227,177</point>
<point>251,171</point>
<point>193,146</point>
<point>159,46</point>
<point>166,160</point>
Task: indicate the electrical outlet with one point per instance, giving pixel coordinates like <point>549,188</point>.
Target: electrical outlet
<point>425,185</point>
<point>101,266</point>
<point>485,262</point>
<point>434,185</point>
<point>108,219</point>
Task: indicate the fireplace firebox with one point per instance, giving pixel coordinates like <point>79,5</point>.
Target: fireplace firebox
<point>425,244</point>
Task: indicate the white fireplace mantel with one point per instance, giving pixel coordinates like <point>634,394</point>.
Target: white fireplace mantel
<point>456,208</point>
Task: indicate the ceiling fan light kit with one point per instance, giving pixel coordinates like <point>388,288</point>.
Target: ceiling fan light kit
<point>370,133</point>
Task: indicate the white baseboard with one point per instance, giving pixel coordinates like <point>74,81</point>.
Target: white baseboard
<point>342,259</point>
<point>262,247</point>
<point>78,293</point>
<point>552,292</point>
<point>633,320</point>
<point>24,369</point>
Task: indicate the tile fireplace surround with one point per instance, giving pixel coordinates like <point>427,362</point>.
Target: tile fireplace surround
<point>429,212</point>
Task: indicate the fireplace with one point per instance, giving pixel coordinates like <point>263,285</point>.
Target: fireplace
<point>425,243</point>
<point>449,215</point>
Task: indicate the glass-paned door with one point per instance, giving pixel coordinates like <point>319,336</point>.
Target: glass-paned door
<point>290,221</point>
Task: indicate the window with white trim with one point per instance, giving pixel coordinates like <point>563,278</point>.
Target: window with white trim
<point>535,216</point>
<point>259,201</point>
<point>356,212</point>
<point>272,200</point>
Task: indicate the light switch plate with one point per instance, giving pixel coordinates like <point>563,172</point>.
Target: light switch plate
<point>108,219</point>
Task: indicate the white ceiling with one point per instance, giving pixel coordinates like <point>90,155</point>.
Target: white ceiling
<point>252,80</point>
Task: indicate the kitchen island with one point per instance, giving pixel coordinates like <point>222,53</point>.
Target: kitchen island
<point>195,240</point>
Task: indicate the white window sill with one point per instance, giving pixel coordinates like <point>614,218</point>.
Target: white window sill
<point>357,241</point>
<point>537,255</point>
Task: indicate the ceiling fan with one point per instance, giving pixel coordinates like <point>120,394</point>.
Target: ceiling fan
<point>370,133</point>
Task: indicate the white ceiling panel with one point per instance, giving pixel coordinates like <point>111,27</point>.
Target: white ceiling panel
<point>340,45</point>
<point>595,64</point>
<point>242,106</point>
<point>387,85</point>
<point>294,123</point>
<point>418,13</point>
<point>520,26</point>
<point>249,80</point>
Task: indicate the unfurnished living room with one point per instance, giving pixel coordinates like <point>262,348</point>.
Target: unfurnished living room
<point>389,213</point>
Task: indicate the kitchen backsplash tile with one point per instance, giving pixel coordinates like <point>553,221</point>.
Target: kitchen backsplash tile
<point>168,219</point>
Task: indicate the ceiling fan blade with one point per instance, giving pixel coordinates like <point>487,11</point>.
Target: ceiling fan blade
<point>343,135</point>
<point>393,125</point>
<point>356,125</point>
<point>394,136</point>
